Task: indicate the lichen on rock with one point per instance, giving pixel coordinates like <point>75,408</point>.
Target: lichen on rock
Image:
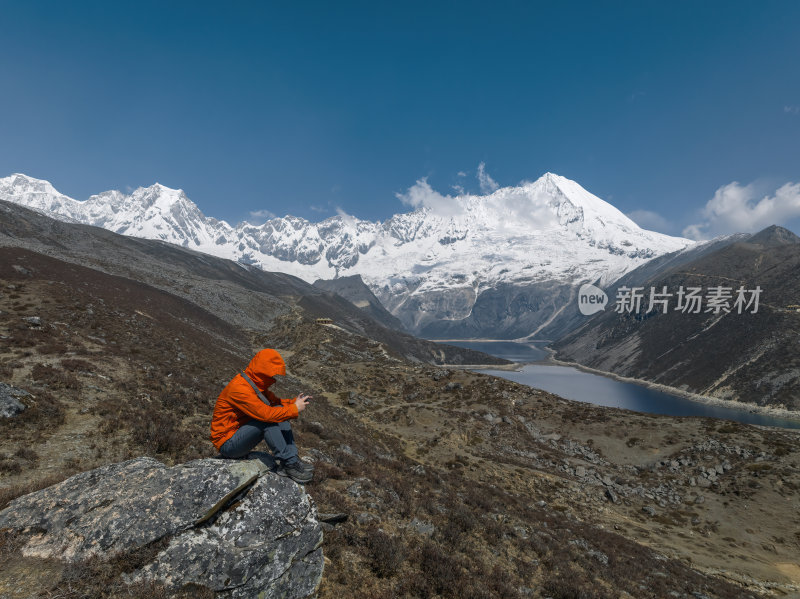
<point>233,526</point>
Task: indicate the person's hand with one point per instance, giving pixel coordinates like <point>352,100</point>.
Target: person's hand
<point>302,401</point>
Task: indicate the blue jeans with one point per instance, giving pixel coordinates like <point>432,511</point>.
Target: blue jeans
<point>277,435</point>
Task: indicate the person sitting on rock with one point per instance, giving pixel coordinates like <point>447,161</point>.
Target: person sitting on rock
<point>247,412</point>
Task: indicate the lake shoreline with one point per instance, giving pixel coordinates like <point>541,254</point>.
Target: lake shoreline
<point>551,360</point>
<point>775,412</point>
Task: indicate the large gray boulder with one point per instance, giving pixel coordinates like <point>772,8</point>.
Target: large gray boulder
<point>233,526</point>
<point>10,404</point>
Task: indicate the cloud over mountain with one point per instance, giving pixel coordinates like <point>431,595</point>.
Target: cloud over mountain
<point>739,208</point>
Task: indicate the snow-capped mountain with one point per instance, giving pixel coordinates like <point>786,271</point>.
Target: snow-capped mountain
<point>428,266</point>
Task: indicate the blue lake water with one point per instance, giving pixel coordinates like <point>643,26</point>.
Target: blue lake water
<point>510,350</point>
<point>572,383</point>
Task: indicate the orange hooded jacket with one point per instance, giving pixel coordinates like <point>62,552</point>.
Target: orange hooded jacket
<point>238,403</point>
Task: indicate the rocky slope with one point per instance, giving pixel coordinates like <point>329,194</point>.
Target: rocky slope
<point>501,264</point>
<point>570,317</point>
<point>353,289</point>
<point>749,357</point>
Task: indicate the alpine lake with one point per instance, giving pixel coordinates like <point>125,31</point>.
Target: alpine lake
<point>572,383</point>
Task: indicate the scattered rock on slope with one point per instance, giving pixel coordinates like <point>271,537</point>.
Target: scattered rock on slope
<point>10,404</point>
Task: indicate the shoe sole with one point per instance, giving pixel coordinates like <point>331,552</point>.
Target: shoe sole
<point>282,472</point>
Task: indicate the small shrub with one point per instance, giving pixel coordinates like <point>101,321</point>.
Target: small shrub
<point>76,364</point>
<point>52,347</point>
<point>159,433</point>
<point>55,379</point>
<point>10,466</point>
<point>43,412</point>
<point>444,573</point>
<point>386,553</point>
<point>730,427</point>
<point>26,453</point>
<point>781,449</point>
<point>568,585</point>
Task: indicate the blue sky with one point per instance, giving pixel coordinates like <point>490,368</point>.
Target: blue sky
<point>680,113</point>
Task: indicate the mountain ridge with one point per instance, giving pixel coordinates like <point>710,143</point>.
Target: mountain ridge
<point>745,356</point>
<point>428,267</point>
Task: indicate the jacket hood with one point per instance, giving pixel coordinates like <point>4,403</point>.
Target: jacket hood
<point>265,365</point>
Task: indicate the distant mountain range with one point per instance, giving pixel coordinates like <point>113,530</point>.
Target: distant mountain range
<point>749,357</point>
<point>503,265</point>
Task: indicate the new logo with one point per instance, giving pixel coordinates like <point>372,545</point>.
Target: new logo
<point>591,299</point>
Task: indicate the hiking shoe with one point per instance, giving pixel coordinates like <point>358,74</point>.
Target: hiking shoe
<point>302,465</point>
<point>295,472</point>
<point>305,466</point>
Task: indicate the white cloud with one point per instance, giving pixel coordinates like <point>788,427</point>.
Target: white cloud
<point>422,195</point>
<point>488,185</point>
<point>461,174</point>
<point>261,216</point>
<point>791,109</point>
<point>647,219</point>
<point>512,209</point>
<point>737,208</point>
<point>349,219</point>
<point>695,232</point>
<point>522,209</point>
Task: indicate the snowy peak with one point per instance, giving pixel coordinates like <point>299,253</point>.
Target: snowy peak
<point>161,196</point>
<point>585,206</point>
<point>550,205</point>
<point>24,184</point>
<point>549,229</point>
<point>37,194</point>
<point>158,212</point>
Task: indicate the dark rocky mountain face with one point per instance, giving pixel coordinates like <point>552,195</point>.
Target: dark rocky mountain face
<point>774,236</point>
<point>506,312</point>
<point>749,357</point>
<point>354,289</point>
<point>548,310</point>
<point>567,317</point>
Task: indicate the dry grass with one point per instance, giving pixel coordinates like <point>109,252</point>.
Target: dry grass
<point>148,385</point>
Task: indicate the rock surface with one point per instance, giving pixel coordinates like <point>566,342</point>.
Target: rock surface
<point>233,526</point>
<point>10,404</point>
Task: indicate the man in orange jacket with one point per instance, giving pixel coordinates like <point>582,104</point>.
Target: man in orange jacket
<point>247,412</point>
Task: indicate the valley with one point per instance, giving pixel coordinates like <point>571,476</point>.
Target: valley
<point>452,483</point>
